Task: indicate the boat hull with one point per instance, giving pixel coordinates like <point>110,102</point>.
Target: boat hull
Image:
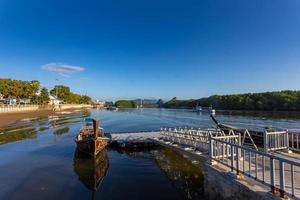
<point>91,147</point>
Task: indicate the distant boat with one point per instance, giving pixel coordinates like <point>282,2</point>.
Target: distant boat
<point>91,139</point>
<point>112,108</point>
<point>198,108</point>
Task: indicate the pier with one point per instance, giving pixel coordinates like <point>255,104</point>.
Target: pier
<point>133,139</point>
<point>272,166</point>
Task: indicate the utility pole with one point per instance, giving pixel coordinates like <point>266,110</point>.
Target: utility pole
<point>56,88</point>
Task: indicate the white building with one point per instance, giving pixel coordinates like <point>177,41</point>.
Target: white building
<point>99,103</point>
<point>54,101</point>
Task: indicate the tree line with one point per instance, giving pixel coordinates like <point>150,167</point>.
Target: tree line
<point>135,103</point>
<point>39,95</point>
<point>125,104</point>
<point>64,93</point>
<point>287,100</point>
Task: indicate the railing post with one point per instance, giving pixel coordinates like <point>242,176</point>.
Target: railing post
<point>237,160</point>
<point>292,180</point>
<point>282,178</point>
<point>272,176</point>
<point>287,140</point>
<point>232,157</point>
<point>211,150</point>
<point>266,142</point>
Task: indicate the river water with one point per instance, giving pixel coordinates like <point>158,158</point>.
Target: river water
<point>38,158</point>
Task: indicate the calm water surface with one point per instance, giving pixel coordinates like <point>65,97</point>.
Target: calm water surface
<point>38,159</point>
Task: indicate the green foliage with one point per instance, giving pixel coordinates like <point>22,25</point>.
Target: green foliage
<point>44,96</point>
<point>174,103</point>
<point>125,104</point>
<point>86,99</point>
<point>150,105</point>
<point>19,89</point>
<point>29,89</point>
<point>281,100</point>
<point>160,103</point>
<point>64,93</point>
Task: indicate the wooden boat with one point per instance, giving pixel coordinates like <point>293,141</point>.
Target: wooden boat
<point>91,139</point>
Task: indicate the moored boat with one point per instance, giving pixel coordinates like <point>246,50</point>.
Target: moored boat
<point>198,108</point>
<point>91,139</point>
<point>113,108</point>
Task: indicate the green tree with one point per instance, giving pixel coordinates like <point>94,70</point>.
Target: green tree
<point>44,96</point>
<point>160,103</point>
<point>125,104</point>
<point>4,87</point>
<point>86,99</point>
<point>62,92</point>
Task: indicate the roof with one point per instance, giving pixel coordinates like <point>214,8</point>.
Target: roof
<point>51,97</point>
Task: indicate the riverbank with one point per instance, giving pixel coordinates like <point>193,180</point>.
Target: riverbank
<point>7,119</point>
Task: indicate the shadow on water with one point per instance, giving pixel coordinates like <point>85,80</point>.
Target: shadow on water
<point>91,171</point>
<point>185,176</point>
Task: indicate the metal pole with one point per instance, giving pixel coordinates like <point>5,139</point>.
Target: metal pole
<point>211,149</point>
<point>265,142</point>
<point>282,178</point>
<point>237,160</point>
<point>232,157</point>
<point>272,176</point>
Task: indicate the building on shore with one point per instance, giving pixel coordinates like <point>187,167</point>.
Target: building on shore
<point>53,100</point>
<point>12,100</point>
<point>99,104</point>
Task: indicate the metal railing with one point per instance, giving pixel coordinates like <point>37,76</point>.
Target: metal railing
<point>294,139</point>
<point>276,172</point>
<point>274,141</point>
<point>196,138</point>
<point>280,174</point>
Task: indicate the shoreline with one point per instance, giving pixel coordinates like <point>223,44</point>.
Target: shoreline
<point>8,119</point>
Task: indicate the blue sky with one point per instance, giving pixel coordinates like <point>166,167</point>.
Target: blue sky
<point>153,48</point>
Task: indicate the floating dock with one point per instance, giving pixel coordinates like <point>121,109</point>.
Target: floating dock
<point>271,173</point>
<point>133,139</point>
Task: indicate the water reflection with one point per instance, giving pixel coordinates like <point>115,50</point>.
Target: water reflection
<point>262,114</point>
<point>31,127</point>
<point>186,176</point>
<point>91,171</point>
<point>16,135</point>
<point>61,131</point>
